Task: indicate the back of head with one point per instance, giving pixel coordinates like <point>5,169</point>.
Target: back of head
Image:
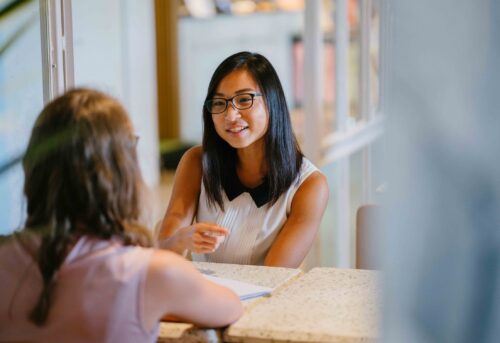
<point>81,178</point>
<point>81,167</point>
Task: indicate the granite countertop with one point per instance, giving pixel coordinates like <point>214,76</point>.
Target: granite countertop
<point>324,305</point>
<point>273,277</point>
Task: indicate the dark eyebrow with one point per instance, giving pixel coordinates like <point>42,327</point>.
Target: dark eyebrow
<point>244,90</point>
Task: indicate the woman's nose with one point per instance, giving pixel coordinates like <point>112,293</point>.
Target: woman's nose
<point>232,112</point>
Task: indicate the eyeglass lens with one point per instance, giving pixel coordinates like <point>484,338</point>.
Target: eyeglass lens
<point>240,101</point>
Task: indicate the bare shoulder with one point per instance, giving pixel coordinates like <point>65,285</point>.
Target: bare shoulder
<point>316,182</point>
<point>168,266</point>
<point>193,156</point>
<point>313,190</point>
<point>189,168</point>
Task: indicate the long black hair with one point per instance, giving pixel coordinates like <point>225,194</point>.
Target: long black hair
<point>282,152</point>
<point>81,178</point>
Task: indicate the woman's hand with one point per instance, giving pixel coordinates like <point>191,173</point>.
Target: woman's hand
<point>202,238</point>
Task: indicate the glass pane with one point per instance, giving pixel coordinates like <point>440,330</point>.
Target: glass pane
<point>356,184</point>
<point>327,124</point>
<point>353,14</point>
<point>374,55</point>
<point>114,51</point>
<point>379,162</point>
<point>353,72</point>
<point>353,77</point>
<point>21,98</point>
<point>329,229</point>
<point>354,63</point>
<point>98,45</point>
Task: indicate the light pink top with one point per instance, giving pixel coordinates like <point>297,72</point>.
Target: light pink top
<point>98,295</point>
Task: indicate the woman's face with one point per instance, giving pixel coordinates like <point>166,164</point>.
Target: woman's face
<point>241,128</point>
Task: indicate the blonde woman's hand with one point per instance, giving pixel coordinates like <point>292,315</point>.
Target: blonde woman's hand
<point>203,238</point>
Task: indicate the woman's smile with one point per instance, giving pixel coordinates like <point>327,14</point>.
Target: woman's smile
<point>237,129</point>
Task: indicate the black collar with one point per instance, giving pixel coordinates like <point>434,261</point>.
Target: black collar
<point>233,188</point>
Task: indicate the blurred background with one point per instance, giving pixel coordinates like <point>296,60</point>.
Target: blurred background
<point>157,56</point>
<point>396,101</point>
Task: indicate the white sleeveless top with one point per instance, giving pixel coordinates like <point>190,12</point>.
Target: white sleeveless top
<point>252,228</point>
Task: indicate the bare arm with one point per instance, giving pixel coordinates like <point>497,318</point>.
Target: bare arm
<point>174,288</point>
<point>297,235</point>
<point>177,232</point>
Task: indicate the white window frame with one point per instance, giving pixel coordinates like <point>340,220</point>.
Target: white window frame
<point>346,140</point>
<point>56,27</point>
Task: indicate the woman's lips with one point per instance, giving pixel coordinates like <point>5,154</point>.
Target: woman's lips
<point>236,129</point>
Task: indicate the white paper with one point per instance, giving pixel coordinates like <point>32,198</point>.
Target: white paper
<point>244,290</point>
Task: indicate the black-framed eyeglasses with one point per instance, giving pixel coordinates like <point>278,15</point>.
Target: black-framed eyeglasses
<point>241,101</point>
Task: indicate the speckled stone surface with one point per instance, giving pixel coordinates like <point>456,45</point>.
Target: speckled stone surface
<point>324,305</point>
<point>187,333</point>
<point>272,277</point>
<point>275,278</point>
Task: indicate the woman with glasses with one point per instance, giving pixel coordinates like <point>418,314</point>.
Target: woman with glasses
<point>82,269</point>
<point>247,195</point>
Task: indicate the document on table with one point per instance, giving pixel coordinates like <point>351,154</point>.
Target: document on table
<point>244,290</point>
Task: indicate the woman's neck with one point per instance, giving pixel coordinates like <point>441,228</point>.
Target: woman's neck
<point>252,166</point>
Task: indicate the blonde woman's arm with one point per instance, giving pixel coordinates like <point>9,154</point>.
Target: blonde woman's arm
<point>174,288</point>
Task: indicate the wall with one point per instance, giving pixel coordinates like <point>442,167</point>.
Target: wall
<point>114,48</point>
<point>204,43</point>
